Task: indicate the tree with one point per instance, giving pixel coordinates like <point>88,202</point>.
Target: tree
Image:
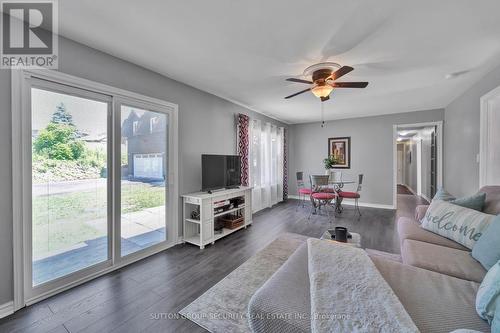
<point>58,141</point>
<point>61,116</point>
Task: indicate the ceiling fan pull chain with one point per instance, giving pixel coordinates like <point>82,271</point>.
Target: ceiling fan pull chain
<point>322,114</point>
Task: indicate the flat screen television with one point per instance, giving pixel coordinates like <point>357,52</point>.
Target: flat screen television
<point>220,171</point>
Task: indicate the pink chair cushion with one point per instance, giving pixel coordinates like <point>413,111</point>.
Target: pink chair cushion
<point>349,195</point>
<point>305,191</point>
<point>329,190</point>
<point>323,196</point>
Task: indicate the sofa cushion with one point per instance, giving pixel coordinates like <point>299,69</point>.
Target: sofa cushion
<point>436,302</point>
<point>488,295</point>
<point>487,248</point>
<point>410,229</point>
<point>492,203</point>
<point>441,259</point>
<point>283,303</point>
<point>460,224</point>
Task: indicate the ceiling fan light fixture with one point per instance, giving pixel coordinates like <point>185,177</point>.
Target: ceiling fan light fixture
<point>322,90</point>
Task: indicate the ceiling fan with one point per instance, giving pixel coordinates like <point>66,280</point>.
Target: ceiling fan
<point>324,76</point>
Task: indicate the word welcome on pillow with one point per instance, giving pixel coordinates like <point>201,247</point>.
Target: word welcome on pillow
<point>463,225</point>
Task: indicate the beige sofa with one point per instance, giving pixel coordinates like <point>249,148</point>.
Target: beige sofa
<point>439,289</point>
<point>436,283</point>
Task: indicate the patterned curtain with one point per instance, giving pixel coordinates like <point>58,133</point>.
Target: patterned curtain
<point>243,142</point>
<point>285,165</point>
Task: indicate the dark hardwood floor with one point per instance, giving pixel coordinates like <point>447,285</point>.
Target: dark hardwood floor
<point>145,296</point>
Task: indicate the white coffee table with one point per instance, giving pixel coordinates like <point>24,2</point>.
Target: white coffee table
<point>354,241</point>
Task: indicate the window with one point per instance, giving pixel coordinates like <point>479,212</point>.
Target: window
<point>94,195</point>
<point>266,164</point>
<point>154,124</point>
<point>135,127</point>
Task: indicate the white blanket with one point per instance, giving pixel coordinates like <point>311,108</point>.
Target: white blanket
<point>348,294</point>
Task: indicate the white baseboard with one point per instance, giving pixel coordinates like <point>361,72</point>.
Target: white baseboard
<point>368,205</point>
<point>351,203</point>
<point>6,309</point>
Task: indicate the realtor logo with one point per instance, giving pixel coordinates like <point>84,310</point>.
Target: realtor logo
<point>29,34</point>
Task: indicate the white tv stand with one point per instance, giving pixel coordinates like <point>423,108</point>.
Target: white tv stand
<point>200,232</point>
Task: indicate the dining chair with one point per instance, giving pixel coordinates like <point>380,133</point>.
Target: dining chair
<point>320,195</point>
<point>354,195</point>
<point>302,189</point>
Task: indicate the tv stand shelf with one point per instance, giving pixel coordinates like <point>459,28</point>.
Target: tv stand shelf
<point>200,231</point>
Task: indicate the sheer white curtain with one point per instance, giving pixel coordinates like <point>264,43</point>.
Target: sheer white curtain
<point>265,164</point>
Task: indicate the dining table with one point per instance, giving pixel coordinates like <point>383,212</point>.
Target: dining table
<point>336,185</point>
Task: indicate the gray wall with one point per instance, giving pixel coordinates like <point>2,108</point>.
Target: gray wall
<point>371,150</point>
<point>206,125</point>
<point>461,137</point>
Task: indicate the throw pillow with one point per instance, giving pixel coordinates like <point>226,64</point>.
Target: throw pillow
<point>475,201</point>
<point>487,248</point>
<point>488,294</point>
<point>463,225</point>
<point>495,324</point>
<point>442,194</point>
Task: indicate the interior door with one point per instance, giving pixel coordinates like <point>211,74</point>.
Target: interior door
<point>400,166</point>
<point>434,163</point>
<point>69,199</point>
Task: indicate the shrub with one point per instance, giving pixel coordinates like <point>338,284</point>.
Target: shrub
<point>58,141</point>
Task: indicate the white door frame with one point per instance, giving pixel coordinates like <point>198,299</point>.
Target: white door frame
<point>20,192</point>
<point>484,145</point>
<point>439,140</point>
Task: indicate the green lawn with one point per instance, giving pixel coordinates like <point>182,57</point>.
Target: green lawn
<point>59,220</point>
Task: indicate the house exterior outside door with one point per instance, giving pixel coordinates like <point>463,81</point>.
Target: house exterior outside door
<point>148,166</point>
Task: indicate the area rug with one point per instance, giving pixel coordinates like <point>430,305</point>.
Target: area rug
<point>223,308</point>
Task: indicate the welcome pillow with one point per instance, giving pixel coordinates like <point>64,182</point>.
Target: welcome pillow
<point>463,225</point>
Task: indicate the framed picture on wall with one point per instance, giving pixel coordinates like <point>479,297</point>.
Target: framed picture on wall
<point>340,148</point>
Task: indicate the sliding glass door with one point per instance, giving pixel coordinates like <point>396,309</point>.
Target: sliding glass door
<point>144,170</point>
<point>97,177</point>
<point>70,206</point>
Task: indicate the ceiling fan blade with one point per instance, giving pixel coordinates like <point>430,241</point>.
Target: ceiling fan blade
<point>349,84</point>
<point>340,72</point>
<point>300,92</point>
<point>298,80</point>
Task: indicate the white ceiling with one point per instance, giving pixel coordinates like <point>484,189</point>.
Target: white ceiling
<point>244,50</point>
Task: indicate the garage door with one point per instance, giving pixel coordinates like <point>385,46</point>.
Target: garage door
<point>148,166</point>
